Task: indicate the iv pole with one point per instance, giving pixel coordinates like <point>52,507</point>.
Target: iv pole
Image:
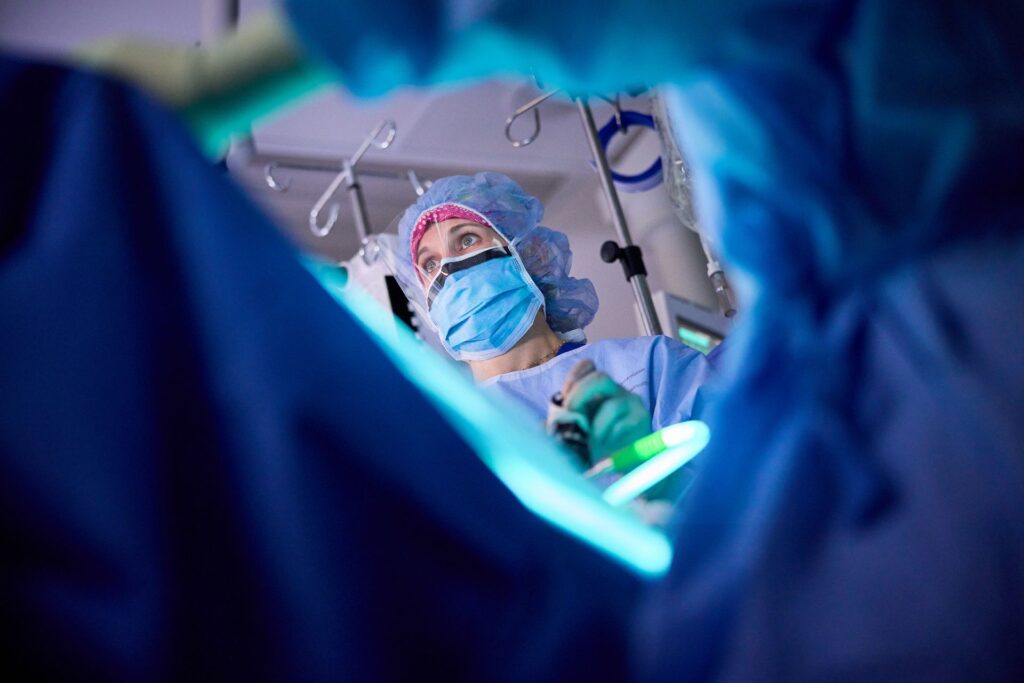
<point>629,254</point>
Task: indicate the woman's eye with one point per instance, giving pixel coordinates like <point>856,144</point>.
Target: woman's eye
<point>467,241</point>
<point>430,266</point>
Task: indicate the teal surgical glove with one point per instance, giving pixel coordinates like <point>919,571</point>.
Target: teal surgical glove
<point>594,416</point>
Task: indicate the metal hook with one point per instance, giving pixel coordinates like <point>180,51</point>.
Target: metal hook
<point>332,216</point>
<point>418,187</point>
<point>371,139</point>
<point>272,182</point>
<point>529,106</point>
<point>348,172</point>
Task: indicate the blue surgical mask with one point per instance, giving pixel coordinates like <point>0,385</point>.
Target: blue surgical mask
<point>485,303</point>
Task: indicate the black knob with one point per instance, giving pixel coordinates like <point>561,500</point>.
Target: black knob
<point>610,252</point>
<point>630,257</point>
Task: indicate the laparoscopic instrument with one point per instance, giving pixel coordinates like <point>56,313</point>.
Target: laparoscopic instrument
<point>650,460</point>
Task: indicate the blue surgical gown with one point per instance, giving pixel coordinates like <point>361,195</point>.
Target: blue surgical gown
<point>208,469</point>
<point>859,511</point>
<point>668,376</point>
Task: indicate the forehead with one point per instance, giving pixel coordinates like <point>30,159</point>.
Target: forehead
<point>436,234</point>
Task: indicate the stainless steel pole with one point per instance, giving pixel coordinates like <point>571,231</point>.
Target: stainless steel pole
<point>360,216</point>
<point>641,290</point>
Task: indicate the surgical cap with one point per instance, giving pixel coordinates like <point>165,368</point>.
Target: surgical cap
<point>570,303</point>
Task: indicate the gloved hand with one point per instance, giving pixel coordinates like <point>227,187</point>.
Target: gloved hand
<point>594,416</point>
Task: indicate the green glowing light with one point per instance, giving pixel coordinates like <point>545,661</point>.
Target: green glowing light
<point>682,432</point>
<point>625,459</point>
<point>524,459</point>
<point>696,340</point>
<point>684,442</point>
<point>640,450</point>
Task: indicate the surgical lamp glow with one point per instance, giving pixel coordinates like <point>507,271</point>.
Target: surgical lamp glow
<point>658,455</point>
<point>641,450</point>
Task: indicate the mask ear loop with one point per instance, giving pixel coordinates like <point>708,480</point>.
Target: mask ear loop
<point>529,278</point>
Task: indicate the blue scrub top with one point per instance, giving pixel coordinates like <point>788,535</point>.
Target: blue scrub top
<point>666,374</point>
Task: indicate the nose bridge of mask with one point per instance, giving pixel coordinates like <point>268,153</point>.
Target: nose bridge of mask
<point>455,264</point>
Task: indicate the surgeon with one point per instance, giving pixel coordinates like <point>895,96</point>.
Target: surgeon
<point>495,285</point>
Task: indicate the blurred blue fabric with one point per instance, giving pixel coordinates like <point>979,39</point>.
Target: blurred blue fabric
<point>208,470</point>
<point>858,516</point>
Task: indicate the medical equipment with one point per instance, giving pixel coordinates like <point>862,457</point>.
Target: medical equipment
<point>369,271</point>
<point>620,121</point>
<point>650,460</point>
<point>698,327</point>
<point>351,180</point>
<point>530,106</point>
<point>270,175</point>
<point>348,175</point>
<point>632,258</point>
<point>369,250</point>
<point>657,468</point>
<point>273,180</point>
<point>677,184</point>
<point>672,170</point>
<point>642,449</point>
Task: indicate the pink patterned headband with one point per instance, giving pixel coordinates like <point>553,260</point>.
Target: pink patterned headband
<point>437,214</point>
